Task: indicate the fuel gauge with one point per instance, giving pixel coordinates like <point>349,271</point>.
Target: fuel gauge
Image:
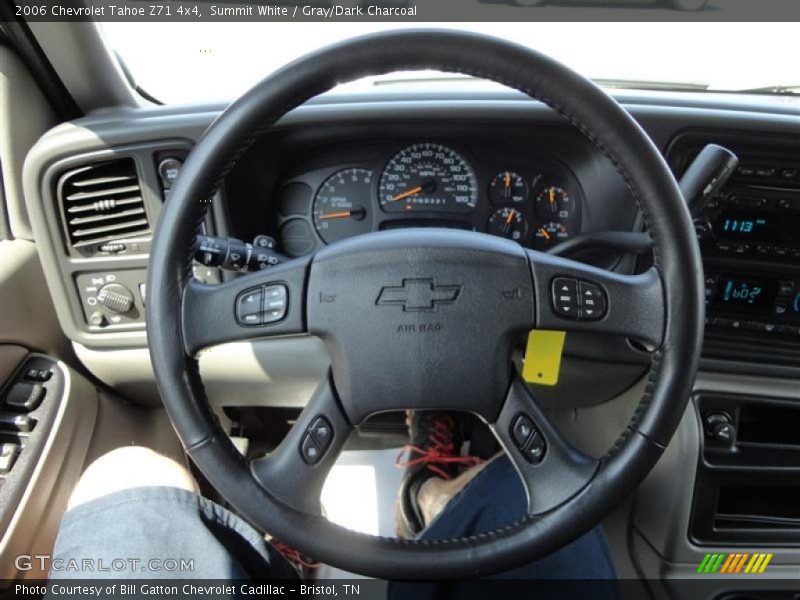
<point>554,203</point>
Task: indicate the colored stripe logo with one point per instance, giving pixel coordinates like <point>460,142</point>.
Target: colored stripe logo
<point>734,563</point>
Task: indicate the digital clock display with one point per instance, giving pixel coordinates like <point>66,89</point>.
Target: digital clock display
<point>772,228</point>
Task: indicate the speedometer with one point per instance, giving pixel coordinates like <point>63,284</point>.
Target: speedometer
<point>428,177</point>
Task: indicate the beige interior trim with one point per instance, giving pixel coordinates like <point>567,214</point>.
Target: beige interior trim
<point>24,116</point>
<point>33,527</point>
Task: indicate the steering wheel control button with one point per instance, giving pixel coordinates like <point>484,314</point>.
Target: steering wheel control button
<point>309,449</point>
<point>535,448</point>
<point>522,430</point>
<point>248,307</point>
<point>592,301</point>
<point>527,439</point>
<point>578,300</point>
<point>275,303</point>
<point>565,297</point>
<point>322,432</point>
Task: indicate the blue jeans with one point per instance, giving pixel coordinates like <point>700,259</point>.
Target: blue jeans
<point>162,523</point>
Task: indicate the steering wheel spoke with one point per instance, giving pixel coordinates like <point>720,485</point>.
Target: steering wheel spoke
<point>552,470</point>
<point>573,296</point>
<point>261,304</point>
<point>296,470</point>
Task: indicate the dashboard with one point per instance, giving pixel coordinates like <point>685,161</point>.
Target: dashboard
<point>485,161</point>
<point>500,190</point>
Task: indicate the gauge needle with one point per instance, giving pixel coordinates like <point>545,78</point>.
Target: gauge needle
<point>509,218</point>
<point>342,214</point>
<point>358,213</point>
<point>552,197</point>
<point>544,233</point>
<point>407,193</point>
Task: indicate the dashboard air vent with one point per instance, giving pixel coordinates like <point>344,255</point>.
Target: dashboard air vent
<point>100,203</point>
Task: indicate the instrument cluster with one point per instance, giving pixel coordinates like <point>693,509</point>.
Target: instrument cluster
<point>535,201</point>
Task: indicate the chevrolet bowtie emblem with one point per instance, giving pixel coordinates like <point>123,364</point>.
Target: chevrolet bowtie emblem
<point>418,295</point>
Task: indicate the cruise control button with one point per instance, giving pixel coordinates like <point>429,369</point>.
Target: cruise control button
<point>565,297</point>
<point>275,303</point>
<point>322,432</point>
<point>310,450</point>
<point>248,307</point>
<point>521,431</point>
<point>535,448</point>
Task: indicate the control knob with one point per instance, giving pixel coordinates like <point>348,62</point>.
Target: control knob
<point>720,427</point>
<point>116,298</point>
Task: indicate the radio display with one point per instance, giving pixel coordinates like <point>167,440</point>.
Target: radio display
<point>758,227</point>
<point>745,295</point>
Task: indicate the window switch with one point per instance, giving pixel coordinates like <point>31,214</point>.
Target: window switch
<point>38,374</point>
<point>12,422</point>
<point>8,456</point>
<point>24,397</point>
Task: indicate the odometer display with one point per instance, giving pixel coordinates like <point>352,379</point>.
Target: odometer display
<point>428,177</point>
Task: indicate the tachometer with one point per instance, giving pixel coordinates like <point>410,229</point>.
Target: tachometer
<point>341,205</point>
<point>428,177</point>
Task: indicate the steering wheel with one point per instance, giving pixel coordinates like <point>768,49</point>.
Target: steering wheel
<point>427,319</point>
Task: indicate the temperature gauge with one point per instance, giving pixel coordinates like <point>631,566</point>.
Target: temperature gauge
<point>507,187</point>
<point>554,203</point>
<point>550,234</point>
<point>508,223</point>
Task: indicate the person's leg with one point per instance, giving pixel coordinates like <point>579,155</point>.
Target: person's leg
<point>489,497</point>
<point>136,514</point>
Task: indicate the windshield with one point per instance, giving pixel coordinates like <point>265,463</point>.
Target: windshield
<point>197,62</point>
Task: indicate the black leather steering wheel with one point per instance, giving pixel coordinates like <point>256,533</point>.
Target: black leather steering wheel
<point>426,319</point>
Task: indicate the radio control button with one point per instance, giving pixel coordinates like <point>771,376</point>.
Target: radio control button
<point>762,250</point>
<point>565,297</point>
<point>780,309</point>
<point>592,301</point>
<point>785,288</point>
<point>780,251</point>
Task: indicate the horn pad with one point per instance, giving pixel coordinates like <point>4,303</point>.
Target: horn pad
<point>420,320</point>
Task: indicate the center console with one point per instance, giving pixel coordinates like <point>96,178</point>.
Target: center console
<point>749,237</point>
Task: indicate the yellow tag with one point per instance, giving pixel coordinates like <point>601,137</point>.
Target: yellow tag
<point>543,356</point>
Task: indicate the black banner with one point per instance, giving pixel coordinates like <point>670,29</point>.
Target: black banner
<point>407,10</point>
<point>699,588</point>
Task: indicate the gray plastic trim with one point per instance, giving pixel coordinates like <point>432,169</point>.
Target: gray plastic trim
<point>60,268</point>
<point>664,501</point>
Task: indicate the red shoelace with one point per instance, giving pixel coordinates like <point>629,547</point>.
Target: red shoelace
<point>441,451</point>
<point>294,556</point>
